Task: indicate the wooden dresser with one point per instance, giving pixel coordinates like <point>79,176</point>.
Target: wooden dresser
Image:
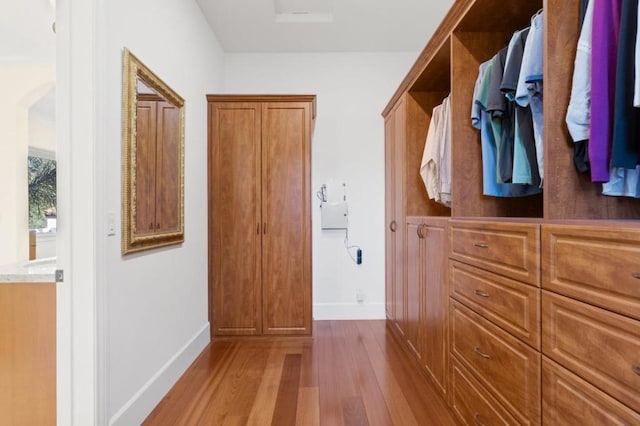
<point>543,313</point>
<point>495,321</point>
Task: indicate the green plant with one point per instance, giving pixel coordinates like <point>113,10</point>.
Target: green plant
<point>42,190</point>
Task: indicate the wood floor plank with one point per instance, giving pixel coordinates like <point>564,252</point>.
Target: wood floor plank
<point>286,407</point>
<point>308,413</point>
<point>262,411</point>
<point>372,397</point>
<point>399,409</point>
<point>354,412</point>
<point>236,394</point>
<point>330,403</point>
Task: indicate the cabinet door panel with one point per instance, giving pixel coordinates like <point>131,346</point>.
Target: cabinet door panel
<point>390,246</point>
<point>436,302</point>
<point>146,119</point>
<point>167,172</point>
<point>414,283</point>
<point>286,218</point>
<point>235,237</point>
<point>399,234</point>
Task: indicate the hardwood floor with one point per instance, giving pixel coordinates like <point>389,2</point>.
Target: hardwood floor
<point>349,373</point>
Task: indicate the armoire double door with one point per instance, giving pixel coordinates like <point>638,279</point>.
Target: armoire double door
<point>260,214</point>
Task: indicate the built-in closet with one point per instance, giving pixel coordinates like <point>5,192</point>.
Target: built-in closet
<point>540,318</point>
<point>260,214</point>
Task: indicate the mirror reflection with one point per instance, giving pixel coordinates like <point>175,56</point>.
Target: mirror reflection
<point>153,159</point>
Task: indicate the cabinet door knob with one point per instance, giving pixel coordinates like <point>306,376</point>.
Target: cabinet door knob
<point>481,293</point>
<point>481,245</point>
<point>476,419</point>
<point>393,226</point>
<point>264,228</point>
<point>636,369</point>
<point>158,225</point>
<point>482,354</point>
<point>151,225</point>
<point>636,275</point>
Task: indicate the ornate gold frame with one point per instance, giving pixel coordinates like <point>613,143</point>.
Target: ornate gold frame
<point>134,69</point>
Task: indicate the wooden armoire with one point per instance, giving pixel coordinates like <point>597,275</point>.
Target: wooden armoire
<point>260,214</point>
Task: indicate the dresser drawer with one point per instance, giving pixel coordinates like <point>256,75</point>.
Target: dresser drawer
<point>472,404</point>
<point>509,249</point>
<point>569,400</point>
<point>507,303</point>
<point>601,347</point>
<point>508,368</point>
<point>597,265</point>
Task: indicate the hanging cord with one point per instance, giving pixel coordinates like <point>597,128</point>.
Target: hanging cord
<point>346,231</point>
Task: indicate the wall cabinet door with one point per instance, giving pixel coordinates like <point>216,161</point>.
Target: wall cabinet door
<point>394,134</point>
<point>435,297</point>
<point>260,215</point>
<point>391,223</point>
<point>427,295</point>
<point>414,283</point>
<point>286,213</point>
<point>235,236</point>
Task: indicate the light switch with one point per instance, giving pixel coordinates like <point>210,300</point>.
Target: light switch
<point>111,223</point>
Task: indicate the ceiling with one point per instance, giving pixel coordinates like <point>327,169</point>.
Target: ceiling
<point>324,25</point>
<point>26,35</point>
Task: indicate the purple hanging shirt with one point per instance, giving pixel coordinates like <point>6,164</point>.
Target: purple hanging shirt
<point>606,26</point>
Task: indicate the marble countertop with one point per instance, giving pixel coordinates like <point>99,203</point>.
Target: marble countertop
<point>35,271</point>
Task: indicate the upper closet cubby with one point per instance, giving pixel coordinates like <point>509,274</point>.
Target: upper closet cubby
<point>486,27</point>
<point>569,195</point>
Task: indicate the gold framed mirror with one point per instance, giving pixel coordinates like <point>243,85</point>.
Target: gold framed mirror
<point>152,160</point>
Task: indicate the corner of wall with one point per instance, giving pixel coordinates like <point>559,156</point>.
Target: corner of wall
<point>145,400</point>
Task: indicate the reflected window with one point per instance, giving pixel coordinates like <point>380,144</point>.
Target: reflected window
<point>41,169</point>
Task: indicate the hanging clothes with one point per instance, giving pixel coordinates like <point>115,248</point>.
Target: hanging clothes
<point>502,112</point>
<point>525,163</point>
<point>606,26</point>
<point>530,83</point>
<point>578,112</point>
<point>435,167</point>
<point>482,120</point>
<point>624,174</point>
<point>625,146</point>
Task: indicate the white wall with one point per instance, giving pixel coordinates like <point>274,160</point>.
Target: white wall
<point>21,86</point>
<point>352,90</point>
<point>155,312</point>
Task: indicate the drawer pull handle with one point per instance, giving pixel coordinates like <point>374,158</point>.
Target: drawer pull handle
<point>482,354</point>
<point>636,369</point>
<point>481,245</point>
<point>481,293</point>
<point>636,275</point>
<point>476,419</point>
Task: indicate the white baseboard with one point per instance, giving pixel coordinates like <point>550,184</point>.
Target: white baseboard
<point>146,399</point>
<point>348,311</point>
